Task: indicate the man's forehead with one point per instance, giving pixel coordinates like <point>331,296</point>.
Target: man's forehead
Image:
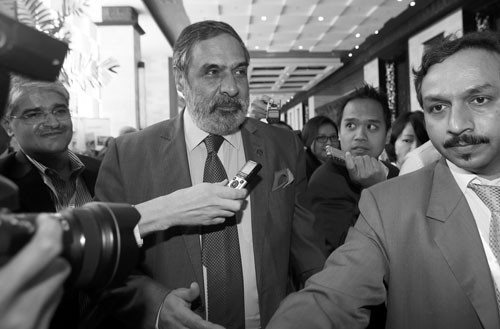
<point>39,97</point>
<point>366,108</point>
<point>464,71</point>
<point>217,51</point>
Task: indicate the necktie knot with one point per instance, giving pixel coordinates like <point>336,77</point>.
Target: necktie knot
<point>213,143</point>
<point>489,194</point>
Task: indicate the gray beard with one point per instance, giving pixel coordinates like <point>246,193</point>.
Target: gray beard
<point>210,119</point>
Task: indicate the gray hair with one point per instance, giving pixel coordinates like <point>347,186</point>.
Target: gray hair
<point>20,86</point>
<point>195,33</point>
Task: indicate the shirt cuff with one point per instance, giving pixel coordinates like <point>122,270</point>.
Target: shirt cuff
<point>137,235</point>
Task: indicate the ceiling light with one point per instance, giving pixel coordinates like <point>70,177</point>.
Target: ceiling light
<point>263,18</point>
<point>357,35</point>
<point>412,4</point>
<point>400,0</point>
<point>320,18</point>
<point>256,47</point>
<point>376,32</point>
<point>300,47</point>
<point>356,47</point>
<point>350,54</point>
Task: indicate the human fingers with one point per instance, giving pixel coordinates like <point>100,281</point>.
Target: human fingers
<point>258,109</point>
<point>44,246</point>
<point>349,161</point>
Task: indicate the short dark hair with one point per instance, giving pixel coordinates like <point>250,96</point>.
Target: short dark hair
<point>369,92</point>
<point>416,119</point>
<point>450,45</point>
<point>195,33</point>
<point>311,128</point>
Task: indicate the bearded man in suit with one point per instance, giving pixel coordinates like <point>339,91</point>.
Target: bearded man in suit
<point>426,243</point>
<point>274,231</point>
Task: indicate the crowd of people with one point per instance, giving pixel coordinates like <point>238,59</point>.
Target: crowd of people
<point>310,241</point>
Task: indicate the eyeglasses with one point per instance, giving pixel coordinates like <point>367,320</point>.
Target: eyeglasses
<point>323,139</point>
<point>37,117</point>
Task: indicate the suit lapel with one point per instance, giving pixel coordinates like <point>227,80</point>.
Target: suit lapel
<point>174,176</point>
<point>259,193</point>
<point>460,243</point>
<point>33,194</point>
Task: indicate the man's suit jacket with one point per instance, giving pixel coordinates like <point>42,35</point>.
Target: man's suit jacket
<point>151,163</point>
<point>333,199</point>
<point>416,247</point>
<point>34,195</point>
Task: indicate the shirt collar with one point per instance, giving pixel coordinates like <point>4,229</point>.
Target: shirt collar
<point>195,136</point>
<point>464,177</point>
<point>77,166</point>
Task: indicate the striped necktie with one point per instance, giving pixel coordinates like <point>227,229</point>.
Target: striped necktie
<point>490,195</point>
<point>221,255</point>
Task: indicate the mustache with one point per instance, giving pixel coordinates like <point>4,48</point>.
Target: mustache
<point>467,139</point>
<point>225,101</point>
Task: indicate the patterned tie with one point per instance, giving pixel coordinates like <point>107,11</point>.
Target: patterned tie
<point>490,195</point>
<point>221,256</point>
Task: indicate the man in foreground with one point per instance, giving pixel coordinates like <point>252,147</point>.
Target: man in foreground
<point>179,284</point>
<point>426,243</point>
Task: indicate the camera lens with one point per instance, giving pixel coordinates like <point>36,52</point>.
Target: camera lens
<point>98,241</point>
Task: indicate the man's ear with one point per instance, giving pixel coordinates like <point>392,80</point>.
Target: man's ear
<point>180,85</point>
<point>6,126</point>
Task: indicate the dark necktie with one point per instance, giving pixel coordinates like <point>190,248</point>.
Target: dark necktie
<point>221,255</point>
<point>490,195</point>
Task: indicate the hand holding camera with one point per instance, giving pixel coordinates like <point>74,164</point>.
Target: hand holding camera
<point>36,275</point>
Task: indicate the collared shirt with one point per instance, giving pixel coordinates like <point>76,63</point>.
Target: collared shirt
<point>70,193</point>
<point>232,156</point>
<point>481,213</point>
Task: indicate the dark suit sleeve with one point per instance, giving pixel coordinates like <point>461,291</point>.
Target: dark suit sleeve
<point>138,301</point>
<point>353,279</point>
<point>307,253</point>
<point>334,204</point>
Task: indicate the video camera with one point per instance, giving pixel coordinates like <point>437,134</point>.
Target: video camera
<point>98,238</point>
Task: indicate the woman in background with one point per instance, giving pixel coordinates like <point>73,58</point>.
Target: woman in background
<point>316,134</point>
<point>408,133</point>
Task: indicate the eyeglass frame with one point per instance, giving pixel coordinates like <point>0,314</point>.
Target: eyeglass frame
<point>45,115</point>
<point>332,138</point>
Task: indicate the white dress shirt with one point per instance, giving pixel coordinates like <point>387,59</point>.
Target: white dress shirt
<point>232,156</point>
<point>481,213</point>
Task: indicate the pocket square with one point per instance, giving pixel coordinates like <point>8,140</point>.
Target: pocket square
<point>282,179</point>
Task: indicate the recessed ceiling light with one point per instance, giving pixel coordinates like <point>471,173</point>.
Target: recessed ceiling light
<point>356,47</point>
<point>350,54</point>
<point>320,18</point>
<point>256,47</point>
<point>357,35</point>
<point>376,32</point>
<point>412,4</point>
<point>263,18</point>
<point>400,0</point>
<point>300,47</point>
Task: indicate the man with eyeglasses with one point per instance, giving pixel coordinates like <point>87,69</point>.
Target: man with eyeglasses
<point>50,177</point>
